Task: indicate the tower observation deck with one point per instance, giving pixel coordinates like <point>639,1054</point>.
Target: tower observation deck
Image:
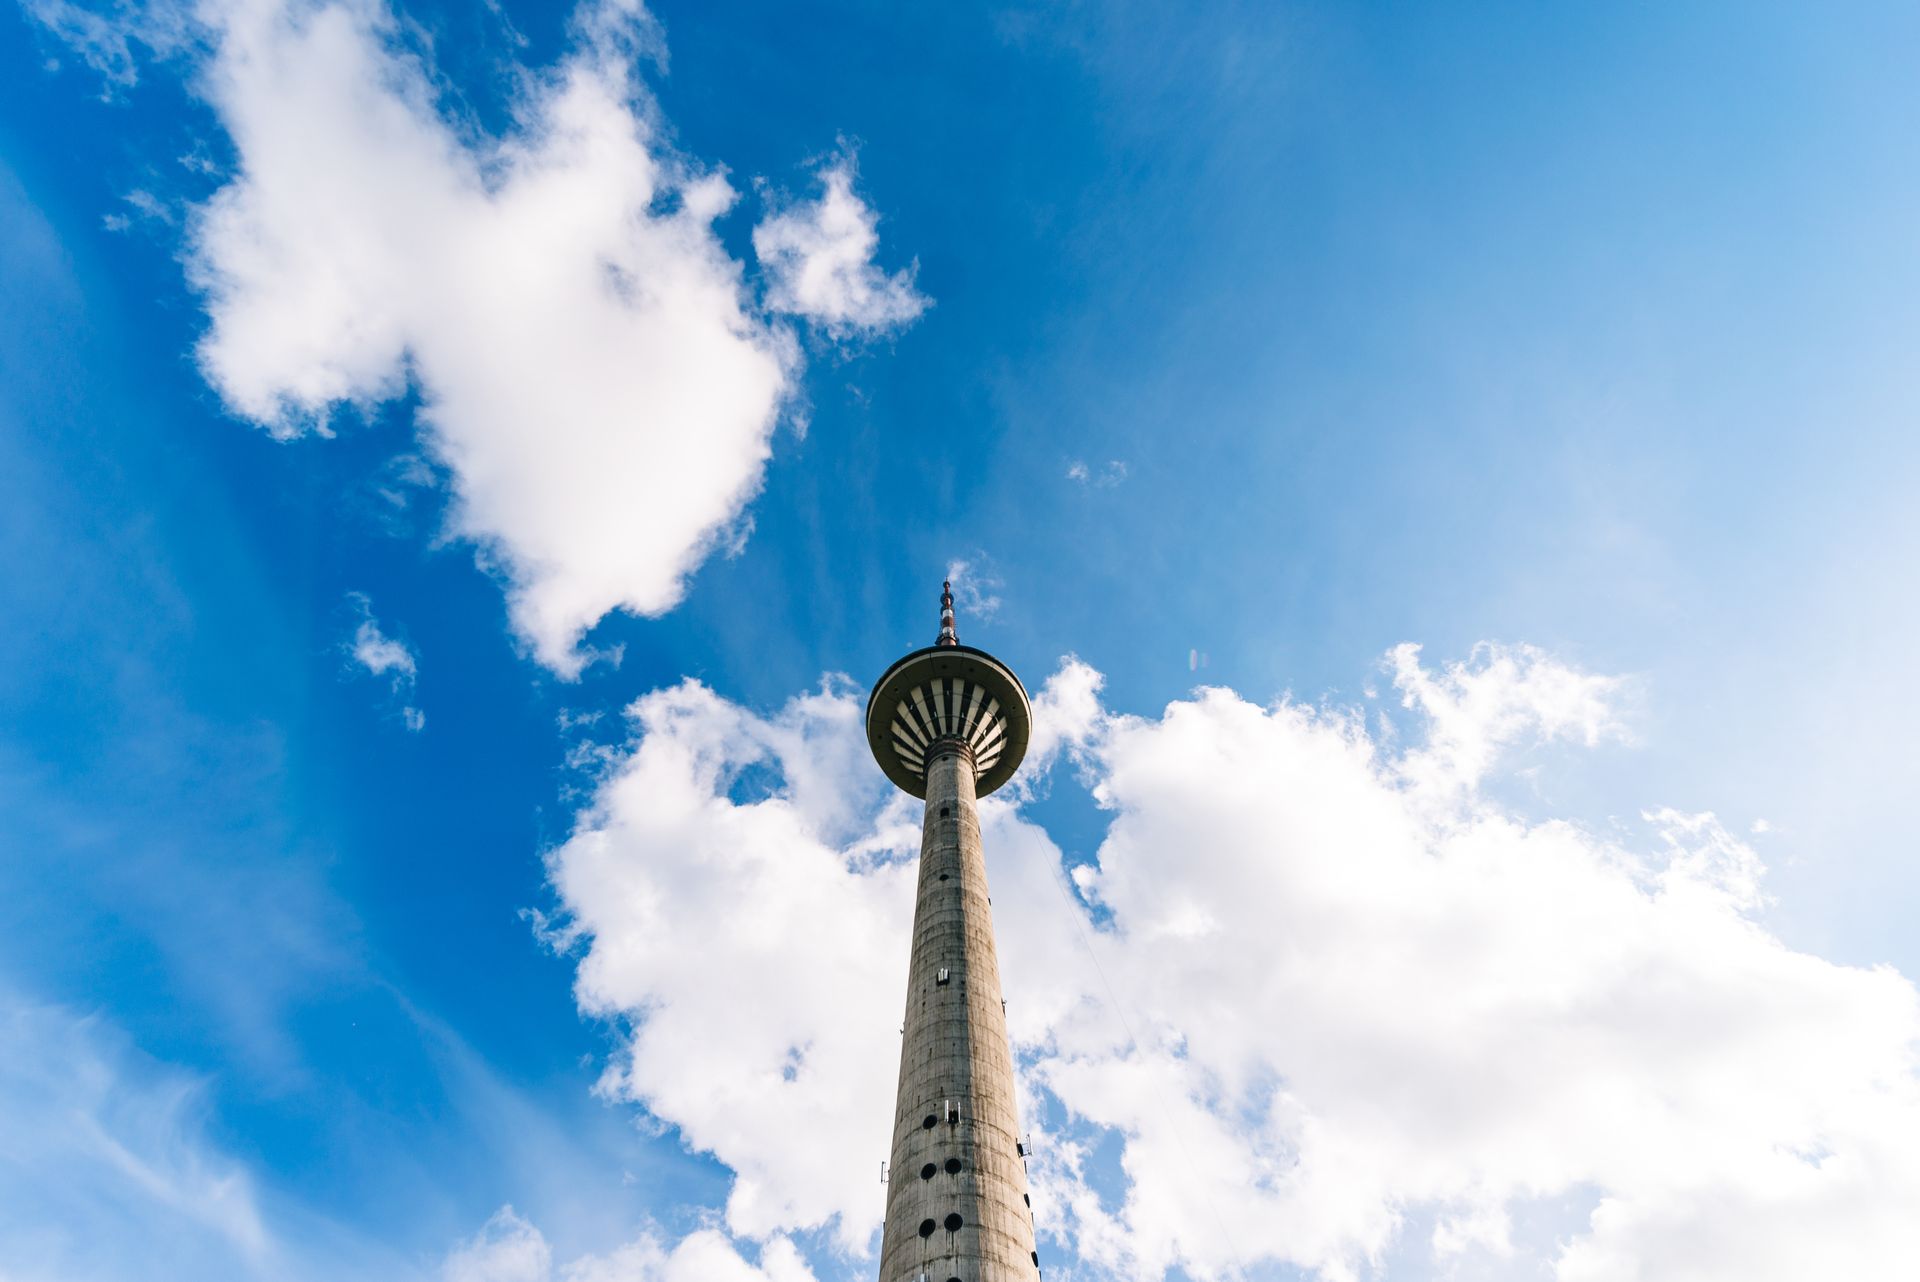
<point>950,724</point>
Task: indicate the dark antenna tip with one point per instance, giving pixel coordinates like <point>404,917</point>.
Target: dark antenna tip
<point>947,634</point>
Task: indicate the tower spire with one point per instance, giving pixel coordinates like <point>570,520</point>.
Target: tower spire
<point>949,724</point>
<point>947,635</point>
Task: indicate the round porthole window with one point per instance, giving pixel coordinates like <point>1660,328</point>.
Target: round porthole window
<point>926,1228</point>
<point>929,1122</point>
<point>926,1172</point>
<point>953,1166</point>
<point>954,1222</point>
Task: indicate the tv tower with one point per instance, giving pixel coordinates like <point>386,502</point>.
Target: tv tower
<point>950,724</point>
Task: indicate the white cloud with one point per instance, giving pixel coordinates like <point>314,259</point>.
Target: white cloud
<point>594,375</point>
<point>509,1249</point>
<point>976,591</point>
<point>105,1166</point>
<point>701,897</point>
<point>1505,696</point>
<point>1106,477</point>
<point>383,656</point>
<point>111,1168</point>
<point>1337,1000</point>
<point>818,257</point>
<point>506,1249</point>
<point>146,207</point>
<point>106,41</point>
<point>1066,715</point>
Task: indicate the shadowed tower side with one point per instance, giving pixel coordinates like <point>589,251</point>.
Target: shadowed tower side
<point>950,724</point>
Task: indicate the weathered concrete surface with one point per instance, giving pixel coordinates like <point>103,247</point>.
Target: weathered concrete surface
<point>955,1062</point>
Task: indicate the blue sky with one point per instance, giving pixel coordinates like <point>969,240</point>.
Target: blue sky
<point>1232,347</point>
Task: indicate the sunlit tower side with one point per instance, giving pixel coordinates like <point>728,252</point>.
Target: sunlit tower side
<point>950,724</point>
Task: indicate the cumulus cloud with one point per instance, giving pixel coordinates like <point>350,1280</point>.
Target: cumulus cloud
<point>1066,715</point>
<point>1502,697</point>
<point>509,1249</point>
<point>699,890</point>
<point>593,372</point>
<point>1359,1010</point>
<point>1316,997</point>
<point>383,656</point>
<point>818,257</point>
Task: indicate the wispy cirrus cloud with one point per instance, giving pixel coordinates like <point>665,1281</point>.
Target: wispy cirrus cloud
<point>109,41</point>
<point>105,1160</point>
<point>110,1168</point>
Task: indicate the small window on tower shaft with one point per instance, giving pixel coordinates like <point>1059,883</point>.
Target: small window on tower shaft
<point>944,976</point>
<point>945,811</point>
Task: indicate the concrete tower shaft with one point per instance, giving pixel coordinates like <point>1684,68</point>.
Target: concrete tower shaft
<point>957,1204</point>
